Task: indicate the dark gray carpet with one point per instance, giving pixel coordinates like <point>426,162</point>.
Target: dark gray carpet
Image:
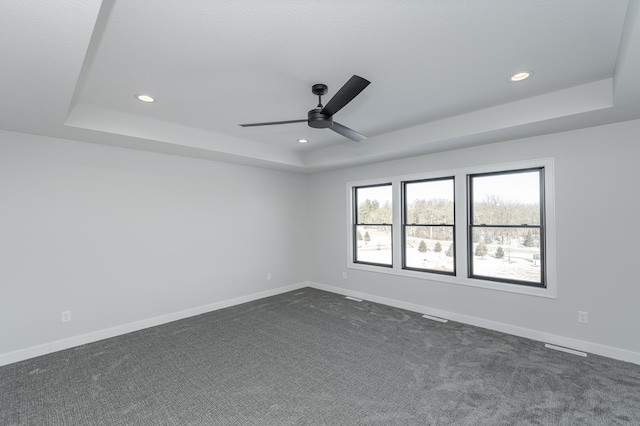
<point>314,358</point>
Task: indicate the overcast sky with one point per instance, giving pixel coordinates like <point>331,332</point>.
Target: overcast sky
<point>516,187</point>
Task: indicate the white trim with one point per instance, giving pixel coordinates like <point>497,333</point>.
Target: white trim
<point>83,339</point>
<point>461,235</point>
<point>541,336</point>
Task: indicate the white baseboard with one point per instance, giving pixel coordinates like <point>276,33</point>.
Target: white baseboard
<point>83,339</point>
<point>580,345</point>
<point>58,345</point>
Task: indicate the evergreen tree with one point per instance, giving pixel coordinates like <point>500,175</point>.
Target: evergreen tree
<point>438,247</point>
<point>499,253</point>
<point>422,248</point>
<point>481,249</point>
<point>449,251</point>
<point>359,236</point>
<point>367,237</point>
<point>529,241</point>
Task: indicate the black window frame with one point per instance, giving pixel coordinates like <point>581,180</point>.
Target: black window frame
<point>541,227</point>
<point>356,223</point>
<point>405,224</point>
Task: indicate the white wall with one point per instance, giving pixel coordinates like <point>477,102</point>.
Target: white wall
<point>119,236</point>
<point>596,187</point>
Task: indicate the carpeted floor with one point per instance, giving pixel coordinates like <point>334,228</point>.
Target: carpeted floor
<point>315,358</point>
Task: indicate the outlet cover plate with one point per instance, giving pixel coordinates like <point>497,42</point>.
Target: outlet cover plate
<point>583,317</point>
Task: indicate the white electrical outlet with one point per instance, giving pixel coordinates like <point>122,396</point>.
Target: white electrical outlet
<point>583,317</point>
<point>268,276</point>
<point>344,275</point>
<point>65,316</point>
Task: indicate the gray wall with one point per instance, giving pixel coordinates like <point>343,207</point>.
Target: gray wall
<point>119,236</point>
<point>596,187</point>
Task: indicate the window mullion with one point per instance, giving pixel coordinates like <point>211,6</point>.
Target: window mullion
<point>397,225</point>
<point>463,223</point>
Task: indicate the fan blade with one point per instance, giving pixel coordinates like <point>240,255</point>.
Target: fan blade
<point>271,123</point>
<point>350,90</point>
<point>347,132</point>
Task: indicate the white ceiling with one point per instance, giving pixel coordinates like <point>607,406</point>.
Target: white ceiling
<point>438,72</point>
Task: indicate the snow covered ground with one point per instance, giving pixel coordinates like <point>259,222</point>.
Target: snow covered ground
<point>518,262</point>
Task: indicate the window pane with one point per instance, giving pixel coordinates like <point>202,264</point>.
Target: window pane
<point>507,199</point>
<point>507,253</point>
<point>373,244</point>
<point>429,247</point>
<point>429,202</point>
<point>374,204</point>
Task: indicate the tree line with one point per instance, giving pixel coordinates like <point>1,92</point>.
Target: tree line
<point>493,210</point>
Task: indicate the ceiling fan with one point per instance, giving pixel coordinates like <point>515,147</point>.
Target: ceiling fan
<point>321,117</point>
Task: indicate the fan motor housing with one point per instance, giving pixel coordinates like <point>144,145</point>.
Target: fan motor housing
<point>317,120</point>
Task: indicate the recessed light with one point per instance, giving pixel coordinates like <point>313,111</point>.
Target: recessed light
<point>520,76</point>
<point>145,98</point>
<point>303,140</point>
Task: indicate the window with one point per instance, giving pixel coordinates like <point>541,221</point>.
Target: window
<point>508,243</point>
<point>429,225</point>
<point>506,226</point>
<point>372,225</point>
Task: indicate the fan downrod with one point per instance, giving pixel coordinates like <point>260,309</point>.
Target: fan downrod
<point>319,89</point>
<point>315,118</point>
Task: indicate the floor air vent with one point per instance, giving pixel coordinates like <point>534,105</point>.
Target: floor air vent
<point>431,317</point>
<point>567,350</point>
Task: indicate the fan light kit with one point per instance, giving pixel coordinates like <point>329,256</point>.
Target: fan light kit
<point>322,116</point>
<point>520,76</point>
<point>145,98</point>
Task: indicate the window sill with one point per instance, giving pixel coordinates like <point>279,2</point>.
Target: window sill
<point>548,292</point>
